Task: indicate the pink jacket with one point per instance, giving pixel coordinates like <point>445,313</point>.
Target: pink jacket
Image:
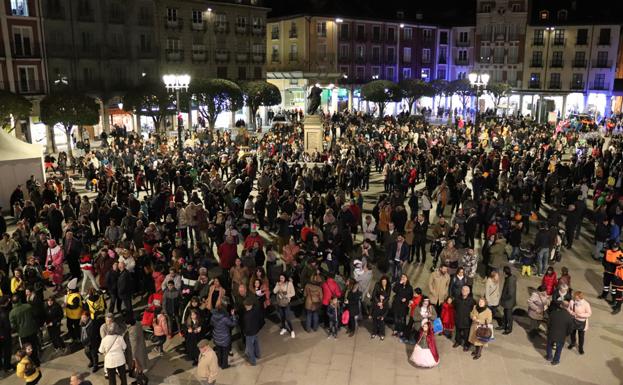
<point>161,327</point>
<point>580,310</point>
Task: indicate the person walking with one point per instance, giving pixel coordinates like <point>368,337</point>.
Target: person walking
<point>508,300</point>
<point>252,323</point>
<point>559,326</point>
<point>581,311</point>
<point>221,332</point>
<point>481,317</point>
<point>113,348</point>
<point>207,368</point>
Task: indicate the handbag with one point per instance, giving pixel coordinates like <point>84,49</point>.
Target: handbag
<point>437,326</point>
<point>484,333</point>
<point>345,317</point>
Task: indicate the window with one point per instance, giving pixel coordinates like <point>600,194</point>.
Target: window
<point>22,41</point>
<point>581,37</point>
<point>462,56</point>
<point>242,73</point>
<point>391,55</point>
<point>537,59</point>
<point>544,15</point>
<point>485,54</point>
<point>406,54</point>
<point>87,40</point>
<point>406,73</point>
<point>172,14</point>
<point>322,51</point>
<point>321,28</point>
<point>562,15</point>
<point>559,36</point>
<point>376,33</point>
<point>579,60</point>
<point>257,22</point>
<point>274,56</point>
<point>27,78</point>
<point>441,73</point>
<point>390,73</point>
<point>173,44</point>
<point>516,7</point>
<point>602,59</point>
<point>376,53</point>
<point>391,34</point>
<point>425,74</point>
<point>87,74</point>
<point>443,54</point>
<point>293,31</point>
<point>498,55</point>
<point>19,7</point>
<point>600,81</point>
<point>197,17</point>
<point>604,36</point>
<point>461,75</point>
<point>538,37</point>
<point>463,37</point>
<point>577,81</point>
<point>443,37</point>
<point>427,34</point>
<point>535,80</point>
<point>294,52</point>
<point>221,72</point>
<point>344,51</point>
<point>485,7</point>
<point>554,80</point>
<point>376,72</point>
<point>426,55</point>
<point>360,73</point>
<point>274,32</point>
<point>557,59</point>
<point>241,21</point>
<point>257,49</point>
<point>408,33</point>
<point>360,51</point>
<point>513,54</point>
<point>361,32</point>
<point>344,31</point>
<point>221,21</point>
<point>144,43</point>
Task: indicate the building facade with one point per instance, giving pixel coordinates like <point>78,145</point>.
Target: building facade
<point>462,51</point>
<point>22,65</point>
<point>570,66</point>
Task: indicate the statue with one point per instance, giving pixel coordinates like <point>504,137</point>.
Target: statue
<point>314,100</point>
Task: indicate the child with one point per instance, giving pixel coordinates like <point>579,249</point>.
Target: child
<point>333,312</point>
<point>414,302</point>
<point>526,263</point>
<point>447,317</point>
<point>564,276</point>
<point>379,311</point>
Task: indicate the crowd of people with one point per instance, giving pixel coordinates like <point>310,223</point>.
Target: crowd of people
<point>248,230</point>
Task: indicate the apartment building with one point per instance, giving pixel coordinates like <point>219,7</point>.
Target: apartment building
<point>570,60</point>
<point>22,66</point>
<point>207,39</point>
<point>462,51</point>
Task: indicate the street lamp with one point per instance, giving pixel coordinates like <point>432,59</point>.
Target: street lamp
<point>176,82</point>
<point>479,81</point>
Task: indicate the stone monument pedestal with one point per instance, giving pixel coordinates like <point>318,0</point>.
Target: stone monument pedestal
<point>313,134</point>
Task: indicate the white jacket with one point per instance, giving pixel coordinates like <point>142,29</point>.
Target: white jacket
<point>113,347</point>
<point>369,230</point>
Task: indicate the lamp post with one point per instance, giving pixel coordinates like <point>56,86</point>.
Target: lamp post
<point>479,81</point>
<point>175,82</point>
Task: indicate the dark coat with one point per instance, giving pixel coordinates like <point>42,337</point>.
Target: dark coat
<point>419,232</point>
<point>125,284</point>
<point>560,325</point>
<point>401,292</point>
<point>404,251</point>
<point>222,323</point>
<point>462,308</point>
<point>252,321</point>
<point>508,299</point>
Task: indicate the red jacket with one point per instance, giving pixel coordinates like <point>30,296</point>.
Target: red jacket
<point>550,282</point>
<point>227,253</point>
<point>447,316</point>
<point>248,243</point>
<point>414,303</point>
<point>492,230</point>
<point>330,288</point>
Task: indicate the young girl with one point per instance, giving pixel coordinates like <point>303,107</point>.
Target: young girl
<point>527,259</point>
<point>447,317</point>
<point>425,352</point>
<point>333,312</point>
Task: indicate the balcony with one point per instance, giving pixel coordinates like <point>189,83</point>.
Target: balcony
<point>25,51</point>
<point>29,87</point>
<point>258,30</point>
<point>538,42</point>
<point>241,29</point>
<point>390,39</point>
<point>376,38</point>
<point>579,63</point>
<point>534,84</point>
<point>360,59</point>
<point>344,58</point>
<point>173,24</point>
<point>556,63</point>
<point>242,57</point>
<point>174,55</point>
<point>116,51</point>
<point>293,57</point>
<point>221,56</point>
<point>293,34</point>
<point>258,57</point>
<point>198,25</point>
<point>221,27</point>
<point>461,61</point>
<point>425,60</point>
<point>459,43</point>
<point>498,60</point>
<point>599,86</point>
<point>602,63</point>
<point>577,85</point>
<point>559,42</point>
<point>554,85</point>
<point>406,61</point>
<point>199,54</point>
<point>536,64</point>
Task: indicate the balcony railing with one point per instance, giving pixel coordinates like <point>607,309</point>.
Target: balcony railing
<point>459,43</point>
<point>579,63</point>
<point>536,64</point>
<point>146,52</point>
<point>538,42</point>
<point>199,54</point>
<point>360,59</point>
<point>242,57</point>
<point>602,63</point>
<point>293,56</point>
<point>559,41</point>
<point>293,34</point>
<point>576,85</point>
<point>361,37</point>
<point>258,30</point>
<point>376,38</point>
<point>461,61</point>
<point>221,56</point>
<point>198,25</point>
<point>258,57</point>
<point>498,60</point>
<point>241,29</point>
<point>28,87</point>
<point>344,58</point>
<point>221,27</point>
<point>600,86</point>
<point>442,60</point>
<point>390,60</point>
<point>173,23</point>
<point>344,35</point>
<point>534,84</point>
<point>556,63</point>
<point>30,51</point>
<point>582,41</point>
<point>375,59</point>
<point>145,21</point>
<point>174,55</point>
<point>554,85</point>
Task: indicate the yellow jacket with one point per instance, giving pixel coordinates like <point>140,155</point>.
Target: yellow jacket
<point>15,285</point>
<point>21,366</point>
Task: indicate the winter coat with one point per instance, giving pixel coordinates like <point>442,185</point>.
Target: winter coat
<point>330,289</point>
<point>462,309</point>
<point>402,295</point>
<point>537,304</point>
<point>221,327</point>
<point>482,318</point>
<point>252,321</point>
<point>438,287</point>
<point>448,316</point>
<point>559,325</point>
<point>23,320</point>
<point>207,368</point>
<point>312,290</point>
<point>136,338</point>
<point>113,347</point>
<point>581,311</point>
<point>550,281</point>
<point>492,292</point>
<point>508,300</point>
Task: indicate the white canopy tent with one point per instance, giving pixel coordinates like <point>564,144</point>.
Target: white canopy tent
<point>18,161</point>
